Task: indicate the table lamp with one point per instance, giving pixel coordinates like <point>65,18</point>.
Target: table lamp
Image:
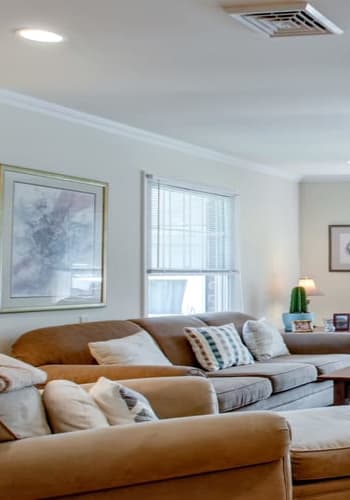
<point>311,289</point>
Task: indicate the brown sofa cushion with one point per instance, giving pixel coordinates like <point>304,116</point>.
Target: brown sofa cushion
<point>283,376</point>
<point>320,442</point>
<point>237,392</point>
<point>168,331</point>
<point>217,319</point>
<point>324,363</point>
<point>68,344</point>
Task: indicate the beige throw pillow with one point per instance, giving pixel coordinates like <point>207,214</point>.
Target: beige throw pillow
<point>263,340</point>
<point>137,349</point>
<point>120,404</point>
<point>71,408</point>
<point>22,415</point>
<point>15,374</point>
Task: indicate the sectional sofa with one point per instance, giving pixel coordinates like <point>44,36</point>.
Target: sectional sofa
<point>283,383</point>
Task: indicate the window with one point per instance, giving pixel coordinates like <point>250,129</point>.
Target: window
<point>190,247</point>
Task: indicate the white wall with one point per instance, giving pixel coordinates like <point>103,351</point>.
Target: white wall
<point>323,204</point>
<point>269,212</point>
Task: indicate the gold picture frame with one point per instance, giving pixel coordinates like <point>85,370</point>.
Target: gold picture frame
<point>52,241</point>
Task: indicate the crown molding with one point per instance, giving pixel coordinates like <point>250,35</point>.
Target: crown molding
<point>36,105</point>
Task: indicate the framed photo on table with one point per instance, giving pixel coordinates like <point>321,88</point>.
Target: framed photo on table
<point>341,322</point>
<point>302,326</point>
<point>339,248</point>
<point>52,241</point>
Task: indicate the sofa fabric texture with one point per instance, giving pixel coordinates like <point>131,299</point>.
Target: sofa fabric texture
<point>283,376</point>
<point>320,447</point>
<point>323,363</point>
<point>242,391</point>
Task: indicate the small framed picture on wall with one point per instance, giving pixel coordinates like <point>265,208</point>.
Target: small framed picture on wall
<point>341,322</point>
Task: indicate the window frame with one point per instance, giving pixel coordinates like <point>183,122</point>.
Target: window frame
<point>146,221</point>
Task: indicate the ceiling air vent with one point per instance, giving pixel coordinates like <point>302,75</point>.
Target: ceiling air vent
<point>290,19</point>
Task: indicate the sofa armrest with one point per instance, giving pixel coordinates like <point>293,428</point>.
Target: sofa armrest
<point>83,374</point>
<point>129,455</point>
<point>317,343</point>
<point>173,397</point>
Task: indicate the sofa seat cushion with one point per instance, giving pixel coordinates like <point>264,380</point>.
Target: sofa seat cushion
<point>324,363</point>
<point>320,446</point>
<point>236,392</point>
<point>283,376</point>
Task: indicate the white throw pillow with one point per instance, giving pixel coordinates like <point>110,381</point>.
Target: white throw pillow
<point>120,404</point>
<point>71,408</point>
<point>15,374</point>
<point>22,414</point>
<point>136,349</point>
<point>217,347</point>
<point>263,340</point>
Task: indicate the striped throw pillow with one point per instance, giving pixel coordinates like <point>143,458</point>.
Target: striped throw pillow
<point>218,347</point>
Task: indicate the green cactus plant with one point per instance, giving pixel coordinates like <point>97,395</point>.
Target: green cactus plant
<point>298,301</point>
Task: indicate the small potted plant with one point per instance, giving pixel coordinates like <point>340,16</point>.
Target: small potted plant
<point>298,308</point>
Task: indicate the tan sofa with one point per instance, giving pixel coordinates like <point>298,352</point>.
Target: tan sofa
<point>283,383</point>
<point>205,456</point>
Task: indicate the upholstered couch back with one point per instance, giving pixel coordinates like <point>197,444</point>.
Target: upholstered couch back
<point>68,344</point>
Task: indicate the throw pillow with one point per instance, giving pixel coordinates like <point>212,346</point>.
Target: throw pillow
<point>15,374</point>
<point>263,340</point>
<point>120,404</point>
<point>22,415</point>
<point>136,349</point>
<point>70,408</point>
<point>218,347</point>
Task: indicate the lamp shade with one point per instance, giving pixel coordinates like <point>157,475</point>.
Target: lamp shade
<point>310,286</point>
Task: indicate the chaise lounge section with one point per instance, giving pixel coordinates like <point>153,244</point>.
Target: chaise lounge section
<point>283,383</point>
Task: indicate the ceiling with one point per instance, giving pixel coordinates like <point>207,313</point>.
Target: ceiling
<point>185,69</point>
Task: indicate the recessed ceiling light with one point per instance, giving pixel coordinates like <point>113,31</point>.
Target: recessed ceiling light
<point>40,35</point>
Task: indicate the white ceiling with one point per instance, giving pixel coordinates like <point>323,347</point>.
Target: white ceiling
<point>185,69</point>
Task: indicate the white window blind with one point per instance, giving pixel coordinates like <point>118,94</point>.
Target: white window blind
<point>190,249</point>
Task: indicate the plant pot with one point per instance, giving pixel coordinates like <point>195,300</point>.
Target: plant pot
<point>289,317</point>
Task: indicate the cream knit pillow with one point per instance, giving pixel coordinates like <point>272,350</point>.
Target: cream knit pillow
<point>263,340</point>
<point>120,404</point>
<point>71,408</point>
<point>136,349</point>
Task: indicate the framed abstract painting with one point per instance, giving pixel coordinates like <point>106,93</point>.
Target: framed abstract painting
<point>339,248</point>
<point>53,241</point>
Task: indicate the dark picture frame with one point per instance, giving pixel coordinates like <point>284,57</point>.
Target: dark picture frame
<point>341,322</point>
<point>339,248</point>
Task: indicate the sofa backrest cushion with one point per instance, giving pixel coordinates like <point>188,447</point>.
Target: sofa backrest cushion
<point>68,344</point>
<point>169,333</point>
<point>223,318</point>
